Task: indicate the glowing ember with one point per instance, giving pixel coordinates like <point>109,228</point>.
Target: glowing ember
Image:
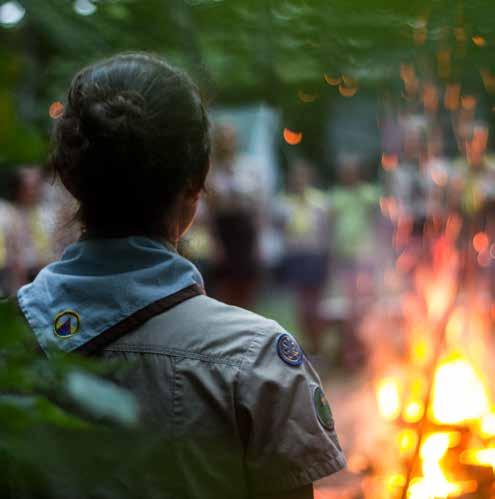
<point>459,394</point>
<point>413,411</point>
<point>420,350</point>
<point>487,425</point>
<point>479,41</point>
<point>396,481</point>
<point>480,242</point>
<point>388,395</point>
<point>291,137</point>
<point>483,457</point>
<point>348,87</point>
<point>434,483</point>
<point>56,110</point>
<point>407,441</point>
<point>347,91</point>
<point>332,80</point>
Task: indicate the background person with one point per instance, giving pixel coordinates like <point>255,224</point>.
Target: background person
<point>234,202</point>
<point>304,213</point>
<point>354,204</point>
<point>31,224</point>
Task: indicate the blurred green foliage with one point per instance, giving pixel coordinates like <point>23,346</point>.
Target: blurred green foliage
<point>239,51</point>
<point>63,428</point>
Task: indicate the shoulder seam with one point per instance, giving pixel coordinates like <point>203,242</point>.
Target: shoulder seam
<point>171,352</point>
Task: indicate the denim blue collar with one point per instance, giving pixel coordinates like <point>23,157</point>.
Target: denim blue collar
<point>98,283</point>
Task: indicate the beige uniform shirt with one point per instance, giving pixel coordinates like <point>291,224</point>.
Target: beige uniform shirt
<point>237,409</point>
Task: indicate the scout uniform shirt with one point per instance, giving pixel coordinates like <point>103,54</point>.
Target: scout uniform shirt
<point>237,409</point>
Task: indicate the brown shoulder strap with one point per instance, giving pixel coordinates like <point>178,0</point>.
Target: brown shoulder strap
<point>140,317</point>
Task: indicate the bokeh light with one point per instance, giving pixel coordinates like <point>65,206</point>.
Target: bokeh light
<point>291,137</point>
<point>11,14</point>
<point>479,41</point>
<point>56,110</point>
<point>332,80</point>
<point>84,7</point>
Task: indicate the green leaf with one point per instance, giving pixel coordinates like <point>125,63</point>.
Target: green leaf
<point>101,398</point>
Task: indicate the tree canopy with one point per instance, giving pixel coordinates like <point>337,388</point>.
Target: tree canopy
<point>289,53</point>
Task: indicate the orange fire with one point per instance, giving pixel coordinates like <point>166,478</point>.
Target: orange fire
<point>434,483</point>
<point>438,392</point>
<point>459,394</point>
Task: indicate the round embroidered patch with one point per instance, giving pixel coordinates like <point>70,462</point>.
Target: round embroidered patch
<point>322,409</point>
<point>289,351</point>
<point>66,324</point>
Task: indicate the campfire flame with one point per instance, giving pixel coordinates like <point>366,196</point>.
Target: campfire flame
<point>459,394</point>
<point>436,395</point>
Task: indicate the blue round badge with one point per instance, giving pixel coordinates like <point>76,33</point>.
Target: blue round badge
<point>289,351</point>
<point>66,324</point>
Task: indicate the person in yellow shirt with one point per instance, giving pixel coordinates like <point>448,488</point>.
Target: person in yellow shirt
<point>353,205</point>
<point>304,213</point>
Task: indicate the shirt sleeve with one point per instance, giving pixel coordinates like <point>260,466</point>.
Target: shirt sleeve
<point>285,421</point>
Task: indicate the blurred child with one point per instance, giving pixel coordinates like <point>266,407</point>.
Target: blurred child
<point>354,205</point>
<point>305,265</point>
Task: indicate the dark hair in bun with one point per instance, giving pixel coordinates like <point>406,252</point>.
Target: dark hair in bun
<point>134,134</point>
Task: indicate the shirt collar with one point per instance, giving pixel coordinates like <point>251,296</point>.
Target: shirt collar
<point>98,283</point>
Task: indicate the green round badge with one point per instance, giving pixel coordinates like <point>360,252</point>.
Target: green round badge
<point>323,410</point>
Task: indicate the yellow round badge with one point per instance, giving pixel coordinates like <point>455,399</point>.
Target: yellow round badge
<point>66,324</point>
